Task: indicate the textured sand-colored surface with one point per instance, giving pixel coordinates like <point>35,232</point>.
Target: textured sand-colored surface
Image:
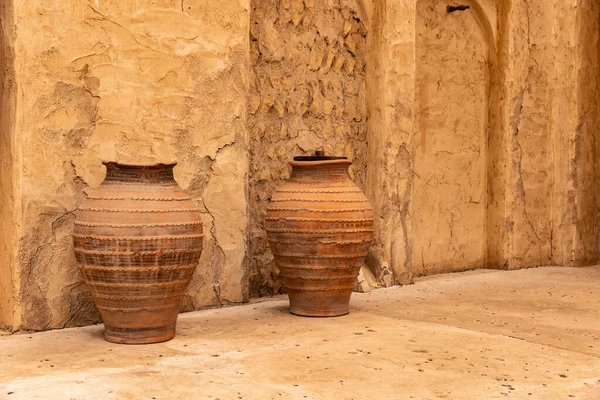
<point>529,334</point>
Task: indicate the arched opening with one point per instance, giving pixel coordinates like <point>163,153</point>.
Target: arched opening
<point>454,47</point>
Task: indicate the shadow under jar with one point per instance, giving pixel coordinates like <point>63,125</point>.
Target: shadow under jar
<point>138,239</point>
<point>320,228</point>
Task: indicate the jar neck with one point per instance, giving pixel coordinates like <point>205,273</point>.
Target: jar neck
<point>161,174</point>
<point>314,172</point>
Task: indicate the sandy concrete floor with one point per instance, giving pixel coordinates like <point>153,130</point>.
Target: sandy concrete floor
<point>529,334</point>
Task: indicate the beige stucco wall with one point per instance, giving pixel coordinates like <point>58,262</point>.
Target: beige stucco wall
<point>536,165</point>
<point>7,204</point>
<point>143,81</point>
<point>472,133</point>
<point>529,142</point>
<point>581,246</point>
<point>390,101</point>
<point>451,105</point>
<point>545,146</point>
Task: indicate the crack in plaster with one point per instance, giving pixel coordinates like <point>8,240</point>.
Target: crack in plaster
<point>517,148</point>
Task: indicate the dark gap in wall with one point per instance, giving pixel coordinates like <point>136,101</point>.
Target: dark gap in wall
<point>451,9</point>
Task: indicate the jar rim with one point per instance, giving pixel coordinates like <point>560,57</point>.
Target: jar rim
<point>318,158</point>
<point>132,165</point>
<point>336,161</point>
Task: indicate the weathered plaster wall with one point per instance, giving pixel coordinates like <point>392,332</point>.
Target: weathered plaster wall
<point>451,106</point>
<point>474,134</point>
<point>141,81</point>
<point>542,191</point>
<point>7,102</point>
<point>529,97</point>
<point>591,52</point>
<point>538,155</point>
<point>584,134</point>
<point>497,150</point>
<point>307,92</point>
<point>390,171</point>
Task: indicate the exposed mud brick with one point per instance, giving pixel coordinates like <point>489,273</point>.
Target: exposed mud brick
<point>309,101</point>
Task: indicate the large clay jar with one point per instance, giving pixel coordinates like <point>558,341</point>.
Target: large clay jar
<point>138,239</point>
<point>320,227</point>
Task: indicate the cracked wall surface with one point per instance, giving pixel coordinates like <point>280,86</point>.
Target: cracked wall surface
<point>584,250</point>
<point>390,167</point>
<point>144,81</point>
<point>7,160</point>
<point>530,93</point>
<point>551,82</point>
<point>474,134</point>
<point>529,174</point>
<point>497,155</point>
<point>307,92</point>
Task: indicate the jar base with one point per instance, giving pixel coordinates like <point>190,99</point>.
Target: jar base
<point>315,314</point>
<point>139,336</point>
<point>325,304</point>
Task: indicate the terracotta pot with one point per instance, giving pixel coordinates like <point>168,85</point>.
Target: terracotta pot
<point>138,239</point>
<point>320,227</point>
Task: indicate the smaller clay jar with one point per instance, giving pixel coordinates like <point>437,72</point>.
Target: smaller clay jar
<point>138,239</point>
<point>320,227</point>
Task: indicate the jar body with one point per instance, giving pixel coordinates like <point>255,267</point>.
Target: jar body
<point>320,227</point>
<point>138,239</point>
